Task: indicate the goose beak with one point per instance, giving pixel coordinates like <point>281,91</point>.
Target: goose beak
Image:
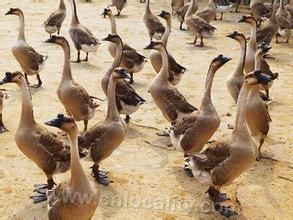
<point>57,122</point>
<point>8,13</point>
<point>225,59</point>
<point>50,40</point>
<point>7,78</point>
<point>243,19</point>
<point>231,35</point>
<point>107,38</point>
<point>149,47</point>
<point>262,78</point>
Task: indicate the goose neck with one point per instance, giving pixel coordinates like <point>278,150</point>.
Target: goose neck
<point>207,100</point>
<point>241,62</point>
<point>112,112</point>
<point>190,9</point>
<point>147,7</point>
<point>62,5</point>
<point>21,27</point>
<point>117,59</point>
<point>164,73</point>
<point>66,75</point>
<point>113,24</point>
<point>167,32</point>
<point>74,18</point>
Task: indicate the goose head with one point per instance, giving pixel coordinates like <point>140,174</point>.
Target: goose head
<point>247,19</point>
<point>57,40</point>
<point>165,15</point>
<point>114,38</point>
<point>15,77</point>
<point>156,45</point>
<point>256,78</point>
<point>107,12</point>
<point>236,36</point>
<point>120,73</point>
<point>64,123</point>
<point>14,11</point>
<point>219,61</point>
<point>264,48</point>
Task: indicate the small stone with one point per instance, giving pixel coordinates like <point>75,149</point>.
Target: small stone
<point>228,114</point>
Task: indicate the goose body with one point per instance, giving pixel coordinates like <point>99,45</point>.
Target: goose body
<point>223,6</point>
<point>191,134</point>
<point>169,100</point>
<point>64,201</point>
<point>284,21</point>
<point>54,22</point>
<point>260,12</point>
<point>209,13</point>
<point>2,127</point>
<point>119,4</point>
<point>222,162</point>
<point>127,100</point>
<point>35,141</point>
<point>180,14</point>
<point>30,61</point>
<point>152,23</point>
<point>176,71</point>
<point>198,26</point>
<point>235,80</point>
<point>82,37</point>
<point>176,5</point>
<point>103,138</point>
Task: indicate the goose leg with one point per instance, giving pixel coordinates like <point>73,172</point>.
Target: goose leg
<point>201,42</point>
<point>39,82</point>
<point>26,79</point>
<point>216,196</point>
<point>127,119</point>
<point>100,176</point>
<point>42,189</point>
<point>85,125</point>
<point>224,210</point>
<point>221,18</point>
<point>194,41</point>
<point>259,148</point>
<point>2,127</point>
<point>181,28</point>
<point>187,168</point>
<point>86,57</point>
<point>131,78</point>
<point>78,57</point>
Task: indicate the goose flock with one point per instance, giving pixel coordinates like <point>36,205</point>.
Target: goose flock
<point>191,125</point>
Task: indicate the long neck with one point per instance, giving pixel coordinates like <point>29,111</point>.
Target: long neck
<point>275,8</point>
<point>74,19</point>
<point>189,10</point>
<point>241,62</point>
<point>27,115</point>
<point>147,7</point>
<point>206,100</point>
<point>257,61</point>
<point>167,32</point>
<point>67,75</point>
<point>113,24</point>
<point>252,41</point>
<point>211,3</point>
<point>164,73</point>
<point>61,4</point>
<point>117,60</point>
<point>112,112</point>
<point>21,27</point>
<point>78,176</point>
<point>241,123</point>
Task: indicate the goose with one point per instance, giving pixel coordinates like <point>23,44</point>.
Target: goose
<point>82,37</point>
<point>131,60</point>
<point>127,100</point>
<point>152,23</point>
<point>119,4</point>
<point>176,70</point>
<point>30,60</point>
<point>235,80</point>
<point>260,12</point>
<point>198,26</point>
<point>222,162</point>
<point>2,127</point>
<point>284,21</point>
<point>176,5</point>
<point>54,22</point>
<point>180,14</point>
<point>169,100</point>
<point>208,13</point>
<point>223,6</point>
<point>191,134</point>
<point>76,100</point>
<point>64,201</point>
<point>36,142</point>
<point>103,138</point>
<point>251,45</point>
<point>289,8</point>
<point>270,27</point>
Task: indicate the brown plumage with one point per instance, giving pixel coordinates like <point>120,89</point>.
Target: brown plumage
<point>2,127</point>
<point>119,5</point>
<point>180,14</point>
<point>209,13</point>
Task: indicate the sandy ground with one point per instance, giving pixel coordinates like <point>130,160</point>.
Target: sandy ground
<point>149,182</point>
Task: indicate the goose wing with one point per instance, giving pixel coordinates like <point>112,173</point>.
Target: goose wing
<point>55,18</point>
<point>182,127</point>
<point>127,94</point>
<point>95,134</point>
<point>265,35</point>
<point>154,24</point>
<point>83,36</point>
<point>133,58</point>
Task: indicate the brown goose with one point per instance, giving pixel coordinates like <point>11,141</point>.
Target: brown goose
<point>284,21</point>
<point>2,127</point>
<point>260,12</point>
<point>191,134</point>
<point>180,14</point>
<point>176,70</point>
<point>169,100</point>
<point>127,100</point>
<point>103,138</point>
<point>76,100</point>
<point>36,142</point>
<point>30,61</point>
<point>221,163</point>
<point>59,207</point>
<point>119,4</point>
<point>82,38</point>
<point>152,23</point>
<point>54,22</point>
<point>176,5</point>
<point>235,80</point>
<point>270,27</point>
<point>209,13</point>
<point>198,26</point>
<point>131,60</point>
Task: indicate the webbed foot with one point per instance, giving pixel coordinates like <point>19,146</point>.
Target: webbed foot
<point>216,196</point>
<point>225,210</point>
<point>39,197</point>
<point>101,176</point>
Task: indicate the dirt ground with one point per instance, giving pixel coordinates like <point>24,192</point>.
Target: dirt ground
<point>148,181</point>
